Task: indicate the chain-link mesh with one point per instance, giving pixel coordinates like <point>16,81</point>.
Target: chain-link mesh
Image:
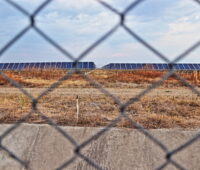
<point>123,106</point>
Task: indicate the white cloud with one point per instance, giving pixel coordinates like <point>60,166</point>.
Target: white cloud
<point>76,24</point>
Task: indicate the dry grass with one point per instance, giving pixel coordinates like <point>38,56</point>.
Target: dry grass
<point>99,110</point>
<point>108,78</point>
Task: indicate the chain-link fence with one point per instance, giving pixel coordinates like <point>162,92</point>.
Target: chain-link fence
<point>123,106</point>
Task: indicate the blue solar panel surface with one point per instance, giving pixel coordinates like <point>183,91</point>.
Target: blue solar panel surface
<point>58,65</point>
<point>159,66</point>
<point>91,65</point>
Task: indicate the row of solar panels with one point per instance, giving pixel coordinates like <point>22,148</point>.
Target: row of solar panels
<point>58,65</point>
<point>91,65</point>
<point>159,66</point>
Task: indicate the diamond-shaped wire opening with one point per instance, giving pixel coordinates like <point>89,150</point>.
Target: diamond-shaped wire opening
<point>17,123</point>
<point>133,100</point>
<point>121,48</point>
<point>13,23</point>
<point>76,25</point>
<point>26,49</point>
<point>176,31</point>
<point>68,102</point>
<point>128,103</point>
<point>75,107</point>
<point>45,150</point>
<point>180,150</point>
<point>53,86</point>
<point>166,108</point>
<point>29,6</point>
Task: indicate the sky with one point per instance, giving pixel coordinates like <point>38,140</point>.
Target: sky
<point>170,26</point>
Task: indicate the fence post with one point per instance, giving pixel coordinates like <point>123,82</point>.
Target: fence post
<point>77,108</point>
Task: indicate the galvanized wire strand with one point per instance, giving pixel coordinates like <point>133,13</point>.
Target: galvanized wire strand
<point>15,157</point>
<point>90,162</point>
<point>132,6</point>
<point>100,88</point>
<point>147,134</point>
<point>56,127</point>
<point>17,85</point>
<point>178,166</point>
<point>190,86</point>
<point>53,43</point>
<point>106,5</point>
<point>164,165</point>
<point>16,125</point>
<point>18,7</point>
<point>187,52</point>
<point>185,145</point>
<point>41,7</point>
<point>15,39</point>
<point>55,85</point>
<point>143,42</point>
<point>70,161</point>
<point>98,134</point>
<point>122,106</point>
<point>98,42</point>
<point>149,88</point>
<point>197,1</point>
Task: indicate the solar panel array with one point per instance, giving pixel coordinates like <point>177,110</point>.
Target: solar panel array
<point>91,65</point>
<point>46,65</point>
<point>128,66</point>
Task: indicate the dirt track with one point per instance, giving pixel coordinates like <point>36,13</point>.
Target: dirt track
<point>84,91</point>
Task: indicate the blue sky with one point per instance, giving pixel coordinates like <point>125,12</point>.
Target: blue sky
<point>171,26</point>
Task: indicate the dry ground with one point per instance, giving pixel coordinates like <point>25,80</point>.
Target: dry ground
<point>172,105</point>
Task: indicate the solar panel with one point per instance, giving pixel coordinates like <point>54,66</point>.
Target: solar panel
<point>85,65</point>
<point>31,65</point>
<point>134,66</point>
<point>123,66</point>
<point>53,65</point>
<point>151,66</point>
<point>26,65</point>
<point>5,66</point>
<point>15,67</point>
<point>69,65</point>
<point>63,65</point>
<point>147,66</point>
<point>128,66</point>
<point>47,65</point>
<point>58,65</point>
<point>1,66</point>
<point>42,65</point>
<point>181,67</point>
<point>21,66</point>
<point>196,66</point>
<point>160,67</point>
<point>191,67</point>
<point>79,66</point>
<point>165,66</point>
<point>139,66</point>
<point>155,67</point>
<point>117,66</point>
<point>175,66</point>
<point>91,65</point>
<point>112,66</point>
<point>186,66</point>
<point>10,66</point>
